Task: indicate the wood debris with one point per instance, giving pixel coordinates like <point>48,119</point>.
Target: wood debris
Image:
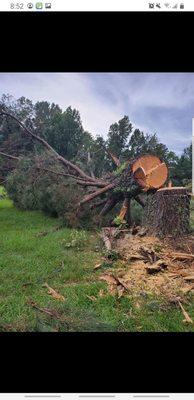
<point>158,266</point>
<point>187,289</point>
<point>53,313</point>
<point>189,278</point>
<point>101,293</point>
<point>106,238</point>
<point>186,315</point>
<point>170,268</point>
<point>116,284</point>
<point>53,293</point>
<point>97,266</point>
<point>109,278</point>
<point>180,256</point>
<point>93,298</point>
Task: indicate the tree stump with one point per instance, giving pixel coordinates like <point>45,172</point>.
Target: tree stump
<point>167,212</point>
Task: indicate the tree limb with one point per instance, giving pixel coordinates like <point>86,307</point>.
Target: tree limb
<point>92,196</point>
<point>89,183</point>
<point>9,156</point>
<point>79,180</point>
<point>48,147</point>
<point>110,203</point>
<point>111,155</point>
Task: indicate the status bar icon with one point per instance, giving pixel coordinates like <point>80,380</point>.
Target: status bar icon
<point>39,6</point>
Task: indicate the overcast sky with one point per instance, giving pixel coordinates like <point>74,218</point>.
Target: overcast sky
<point>155,102</point>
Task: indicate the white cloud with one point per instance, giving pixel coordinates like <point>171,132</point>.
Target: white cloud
<point>104,98</point>
<point>65,89</point>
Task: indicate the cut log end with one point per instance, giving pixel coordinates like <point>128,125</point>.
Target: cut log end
<point>150,172</point>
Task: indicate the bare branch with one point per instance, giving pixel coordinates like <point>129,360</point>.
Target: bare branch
<point>111,155</point>
<point>9,156</point>
<point>89,183</point>
<point>110,203</point>
<point>48,147</point>
<point>92,196</point>
<point>79,180</point>
<point>100,203</point>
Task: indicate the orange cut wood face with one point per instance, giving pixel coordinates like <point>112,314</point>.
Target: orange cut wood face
<point>157,177</point>
<point>140,177</point>
<point>147,162</point>
<point>150,172</point>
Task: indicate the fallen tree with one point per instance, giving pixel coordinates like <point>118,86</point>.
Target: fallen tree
<point>146,174</point>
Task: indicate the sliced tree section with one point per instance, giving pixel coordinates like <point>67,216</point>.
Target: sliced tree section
<point>167,212</point>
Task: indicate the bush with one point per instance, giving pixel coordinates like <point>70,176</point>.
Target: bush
<point>36,189</point>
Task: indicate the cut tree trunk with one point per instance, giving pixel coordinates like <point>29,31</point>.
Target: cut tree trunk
<point>167,212</point>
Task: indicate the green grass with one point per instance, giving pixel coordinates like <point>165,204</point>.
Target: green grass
<point>28,259</point>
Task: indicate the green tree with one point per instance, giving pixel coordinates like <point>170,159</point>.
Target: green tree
<point>183,170</point>
<point>118,136</point>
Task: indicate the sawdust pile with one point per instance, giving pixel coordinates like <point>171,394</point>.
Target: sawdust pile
<point>150,265</point>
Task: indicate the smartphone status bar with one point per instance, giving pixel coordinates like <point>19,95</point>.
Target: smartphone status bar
<point>97,396</point>
<point>96,5</point>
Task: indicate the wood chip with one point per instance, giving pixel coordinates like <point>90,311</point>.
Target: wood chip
<point>93,298</point>
<point>122,283</point>
<point>186,315</point>
<point>181,256</point>
<point>156,267</point>
<point>105,237</point>
<point>108,278</point>
<point>120,291</point>
<point>53,313</point>
<point>53,293</point>
<point>187,289</point>
<point>97,266</point>
<point>189,278</point>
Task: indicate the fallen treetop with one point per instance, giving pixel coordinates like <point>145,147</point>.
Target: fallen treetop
<point>143,174</point>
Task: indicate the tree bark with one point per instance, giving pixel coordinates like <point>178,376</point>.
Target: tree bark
<point>167,212</point>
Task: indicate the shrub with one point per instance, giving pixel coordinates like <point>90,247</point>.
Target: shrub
<point>31,188</point>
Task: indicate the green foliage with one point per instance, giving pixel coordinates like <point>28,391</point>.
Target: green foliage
<point>183,170</point>
<point>118,221</point>
<point>3,193</point>
<point>35,189</point>
<point>118,135</point>
<point>120,169</point>
<point>112,255</point>
<point>78,240</point>
<point>136,212</point>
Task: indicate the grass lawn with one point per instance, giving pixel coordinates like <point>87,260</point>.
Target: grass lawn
<point>33,252</point>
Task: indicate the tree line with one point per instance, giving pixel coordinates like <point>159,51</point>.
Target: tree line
<point>64,131</point>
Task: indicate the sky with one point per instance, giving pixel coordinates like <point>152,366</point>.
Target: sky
<point>161,103</point>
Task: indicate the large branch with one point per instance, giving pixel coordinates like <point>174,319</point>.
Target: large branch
<point>92,196</point>
<point>89,183</point>
<point>48,147</point>
<point>9,156</point>
<point>111,155</point>
<point>80,181</point>
<point>110,203</point>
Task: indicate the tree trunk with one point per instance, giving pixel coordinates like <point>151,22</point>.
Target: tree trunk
<point>167,212</point>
